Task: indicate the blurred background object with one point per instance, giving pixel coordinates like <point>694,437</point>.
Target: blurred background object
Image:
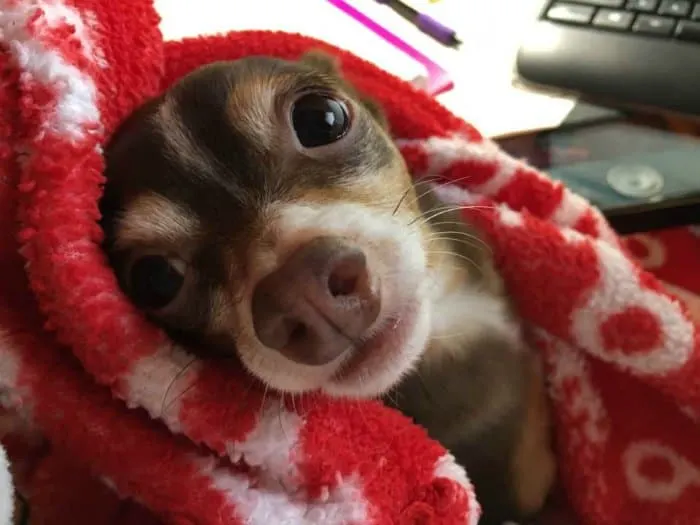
<point>486,92</point>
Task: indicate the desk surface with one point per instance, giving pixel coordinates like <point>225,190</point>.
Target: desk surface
<point>482,69</point>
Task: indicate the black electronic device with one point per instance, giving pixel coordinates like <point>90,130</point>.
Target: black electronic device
<point>635,53</point>
<point>640,176</point>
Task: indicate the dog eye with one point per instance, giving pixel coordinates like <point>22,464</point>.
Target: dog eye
<point>319,120</point>
<point>155,281</point>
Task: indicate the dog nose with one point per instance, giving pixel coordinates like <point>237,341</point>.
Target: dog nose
<point>318,304</point>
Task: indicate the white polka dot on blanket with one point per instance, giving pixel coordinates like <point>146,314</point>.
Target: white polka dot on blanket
<point>656,472</point>
<point>509,217</point>
<point>626,323</point>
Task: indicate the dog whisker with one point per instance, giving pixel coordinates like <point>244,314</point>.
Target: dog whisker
<point>459,256</point>
<point>262,402</point>
<point>454,235</point>
<point>280,409</point>
<point>424,387</point>
<point>415,186</point>
<point>427,218</point>
<point>467,235</point>
<point>178,375</point>
<point>455,241</point>
<point>403,197</point>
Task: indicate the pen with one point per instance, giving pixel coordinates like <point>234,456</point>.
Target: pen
<point>426,24</point>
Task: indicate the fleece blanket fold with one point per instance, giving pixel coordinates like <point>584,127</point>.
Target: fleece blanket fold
<point>130,429</point>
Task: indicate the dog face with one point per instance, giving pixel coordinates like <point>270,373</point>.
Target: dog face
<point>259,208</point>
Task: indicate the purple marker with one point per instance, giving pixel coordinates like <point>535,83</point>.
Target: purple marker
<point>426,24</point>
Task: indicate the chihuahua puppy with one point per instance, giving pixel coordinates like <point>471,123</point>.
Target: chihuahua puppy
<point>259,209</point>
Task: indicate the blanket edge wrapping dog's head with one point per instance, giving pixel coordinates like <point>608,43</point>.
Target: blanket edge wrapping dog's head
<point>71,72</point>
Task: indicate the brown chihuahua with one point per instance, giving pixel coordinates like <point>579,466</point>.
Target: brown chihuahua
<point>260,209</point>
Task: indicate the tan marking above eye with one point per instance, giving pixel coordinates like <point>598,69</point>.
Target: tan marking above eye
<point>153,219</point>
<point>251,108</point>
<point>179,143</point>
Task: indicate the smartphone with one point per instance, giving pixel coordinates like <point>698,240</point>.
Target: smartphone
<point>641,176</point>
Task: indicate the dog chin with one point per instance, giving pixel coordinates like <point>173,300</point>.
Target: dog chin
<point>385,357</point>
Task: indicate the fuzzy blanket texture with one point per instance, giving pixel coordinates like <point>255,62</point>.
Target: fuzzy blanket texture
<point>106,421</point>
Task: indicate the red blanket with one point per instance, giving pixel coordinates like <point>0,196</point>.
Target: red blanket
<point>124,436</point>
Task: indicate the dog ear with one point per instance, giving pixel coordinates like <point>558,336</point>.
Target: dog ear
<point>323,62</point>
<point>330,65</point>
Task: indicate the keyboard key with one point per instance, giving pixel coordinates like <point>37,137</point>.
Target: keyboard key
<point>643,6</point>
<point>570,13</point>
<point>675,8</point>
<point>689,31</point>
<point>602,3</point>
<point>654,25</point>
<point>696,12</point>
<point>611,19</point>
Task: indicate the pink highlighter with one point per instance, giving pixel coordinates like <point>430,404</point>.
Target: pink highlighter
<point>437,80</point>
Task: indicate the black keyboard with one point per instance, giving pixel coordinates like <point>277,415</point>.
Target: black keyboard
<point>673,19</point>
<point>626,53</point>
